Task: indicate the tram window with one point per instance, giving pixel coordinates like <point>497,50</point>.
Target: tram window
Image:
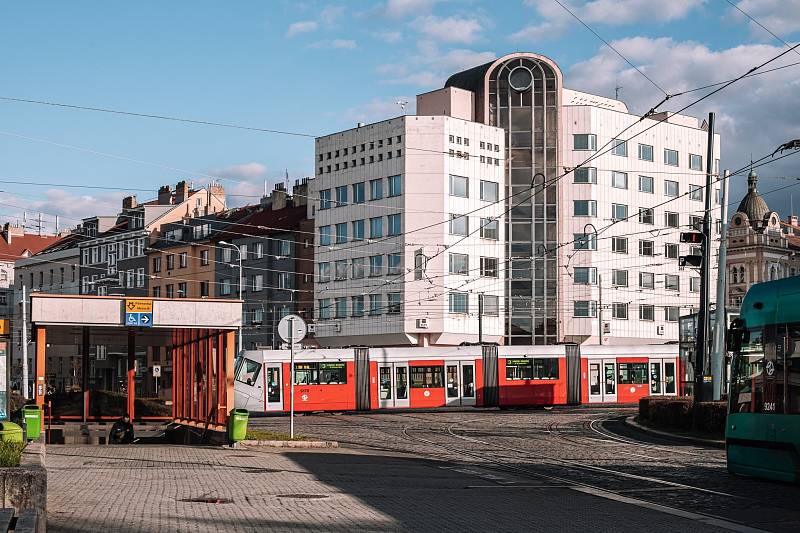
<point>320,373</point>
<point>632,373</point>
<point>427,377</point>
<point>248,371</point>
<point>517,369</point>
<point>306,374</point>
<point>545,369</point>
<point>747,384</point>
<point>793,370</point>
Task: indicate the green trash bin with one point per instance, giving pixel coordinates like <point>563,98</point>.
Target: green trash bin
<point>33,421</point>
<point>237,424</point>
<point>10,432</point>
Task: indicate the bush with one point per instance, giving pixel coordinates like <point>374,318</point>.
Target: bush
<point>710,417</point>
<point>683,414</point>
<point>10,453</point>
<point>670,412</point>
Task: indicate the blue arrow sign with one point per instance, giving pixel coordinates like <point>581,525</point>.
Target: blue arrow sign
<point>139,319</point>
<point>146,319</point>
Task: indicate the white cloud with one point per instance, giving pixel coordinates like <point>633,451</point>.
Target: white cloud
<point>380,109</point>
<point>429,67</point>
<point>330,14</point>
<point>242,171</point>
<point>304,26</point>
<point>389,36</point>
<point>404,8</point>
<point>348,44</point>
<point>754,115</point>
<point>449,29</point>
<point>780,16</point>
<point>553,20</point>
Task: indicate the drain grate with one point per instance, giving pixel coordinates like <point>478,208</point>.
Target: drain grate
<point>216,501</point>
<point>261,470</point>
<point>304,496</point>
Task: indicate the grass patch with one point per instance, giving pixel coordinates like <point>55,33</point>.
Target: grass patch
<point>10,453</point>
<point>263,434</point>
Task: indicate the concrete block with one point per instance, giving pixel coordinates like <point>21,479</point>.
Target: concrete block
<point>25,487</point>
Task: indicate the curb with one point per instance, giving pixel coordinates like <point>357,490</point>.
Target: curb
<point>630,421</point>
<point>291,443</point>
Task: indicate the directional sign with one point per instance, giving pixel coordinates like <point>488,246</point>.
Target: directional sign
<point>139,305</point>
<point>296,324</point>
<point>156,371</point>
<point>139,319</point>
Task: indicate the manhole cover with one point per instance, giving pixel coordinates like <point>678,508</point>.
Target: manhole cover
<point>207,500</point>
<point>303,496</point>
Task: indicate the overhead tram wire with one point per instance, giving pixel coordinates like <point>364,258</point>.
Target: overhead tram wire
<point>746,14</point>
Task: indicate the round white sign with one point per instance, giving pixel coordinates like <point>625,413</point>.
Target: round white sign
<point>298,328</point>
<point>426,393</point>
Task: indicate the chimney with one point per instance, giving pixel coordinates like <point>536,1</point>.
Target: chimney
<point>300,193</point>
<point>129,202</point>
<point>164,195</point>
<point>10,231</point>
<point>181,192</point>
<point>278,197</point>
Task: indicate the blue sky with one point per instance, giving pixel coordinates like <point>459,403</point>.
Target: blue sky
<point>321,66</point>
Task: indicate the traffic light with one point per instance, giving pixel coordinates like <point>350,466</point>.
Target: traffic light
<point>692,237</point>
<point>690,260</point>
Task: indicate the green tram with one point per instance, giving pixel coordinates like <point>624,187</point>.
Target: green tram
<point>762,432</point>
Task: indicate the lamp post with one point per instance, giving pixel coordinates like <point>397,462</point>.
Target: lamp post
<point>239,253</point>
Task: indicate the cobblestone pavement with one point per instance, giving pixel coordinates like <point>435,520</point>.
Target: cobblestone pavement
<point>589,448</point>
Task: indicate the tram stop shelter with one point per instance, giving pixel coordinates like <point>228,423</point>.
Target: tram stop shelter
<point>98,357</point>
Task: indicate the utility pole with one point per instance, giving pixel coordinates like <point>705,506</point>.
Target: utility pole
<point>24,344</point>
<point>600,310</point>
<point>480,318</point>
<point>720,318</point>
<point>703,330</point>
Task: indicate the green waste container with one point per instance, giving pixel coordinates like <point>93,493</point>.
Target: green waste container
<point>10,432</point>
<point>33,421</point>
<point>237,424</point>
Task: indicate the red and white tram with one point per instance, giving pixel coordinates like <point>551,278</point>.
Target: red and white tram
<point>505,376</point>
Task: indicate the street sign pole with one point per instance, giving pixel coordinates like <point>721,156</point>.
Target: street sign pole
<point>291,377</point>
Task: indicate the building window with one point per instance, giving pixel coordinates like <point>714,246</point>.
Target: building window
<point>459,264</point>
<point>258,249</point>
<point>419,264</point>
<point>671,220</point>
<point>647,312</point>
<point>394,223</point>
<point>376,189</point>
<point>645,152</point>
<point>694,284</point>
<point>584,141</point>
<point>619,147</point>
<point>341,233</point>
<point>647,280</point>
<point>619,245</point>
<point>459,225</point>
<point>646,184</point>
<point>585,276</point>
<point>359,267</point>
<point>284,280</point>
<point>324,235</point>
<point>670,157</point>
<point>619,211</point>
<point>393,301</point>
<point>619,310</point>
<point>375,304</point>
<point>375,265</point>
<point>619,180</point>
<point>585,175</point>
<point>619,278</point>
<point>226,255</point>
<point>695,162</point>
<point>671,251</point>
<point>671,313</point>
<point>157,264</point>
<point>340,307</point>
<point>671,188</point>
<point>647,215</point>
<point>340,269</point>
<point>584,241</point>
<point>395,185</point>
<point>489,191</point>
<point>672,282</point>
<point>696,193</point>
<point>584,309</point>
<point>156,292</point>
<point>225,287</point>
<point>183,259</point>
<point>490,229</point>
<point>341,196</point>
<point>491,304</point>
<point>584,208</point>
<point>324,272</point>
<point>376,227</point>
<point>459,186</point>
<point>325,199</point>
<point>182,291</point>
<point>170,261</point>
<point>204,257</point>
<point>357,304</point>
<point>358,230</point>
<point>170,290</point>
<point>489,267</point>
<point>204,289</point>
<point>140,277</point>
<point>358,193</point>
<point>646,248</point>
<point>459,303</point>
<point>324,312</point>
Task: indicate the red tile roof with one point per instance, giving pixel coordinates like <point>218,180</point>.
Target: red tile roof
<point>22,246</point>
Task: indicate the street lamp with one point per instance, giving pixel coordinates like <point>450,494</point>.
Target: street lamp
<point>239,252</point>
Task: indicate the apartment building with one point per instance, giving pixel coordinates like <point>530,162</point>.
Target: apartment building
<point>409,243</point>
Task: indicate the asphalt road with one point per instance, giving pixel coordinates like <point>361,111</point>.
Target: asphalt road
<point>586,449</point>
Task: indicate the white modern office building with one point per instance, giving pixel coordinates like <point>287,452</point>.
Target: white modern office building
<point>584,255</point>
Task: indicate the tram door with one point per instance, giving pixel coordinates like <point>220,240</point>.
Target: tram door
<point>460,379</point>
<point>393,384</point>
<point>602,381</point>
<point>273,390</point>
<point>662,377</point>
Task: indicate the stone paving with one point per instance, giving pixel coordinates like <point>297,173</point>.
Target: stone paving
<point>142,488</point>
